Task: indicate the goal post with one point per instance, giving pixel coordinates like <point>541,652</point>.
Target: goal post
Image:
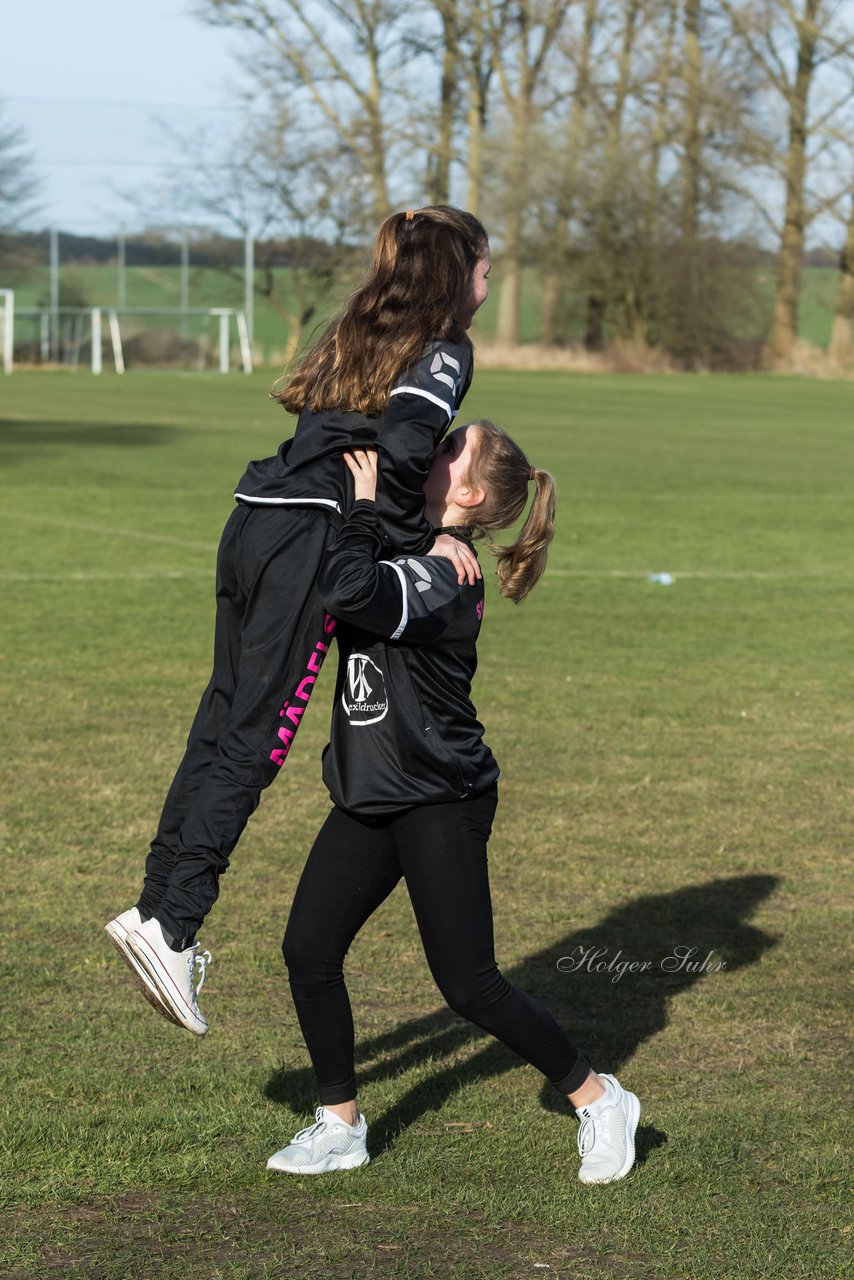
<point>196,338</point>
<point>7,323</point>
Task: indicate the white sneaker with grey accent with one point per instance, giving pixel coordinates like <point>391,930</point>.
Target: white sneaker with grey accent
<point>173,973</point>
<point>324,1146</point>
<point>606,1139</point>
<point>117,931</point>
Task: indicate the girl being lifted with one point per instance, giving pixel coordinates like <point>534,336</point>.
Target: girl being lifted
<point>389,373</point>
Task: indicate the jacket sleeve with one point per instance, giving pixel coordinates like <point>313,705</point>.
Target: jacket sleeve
<point>421,408</point>
<point>404,599</point>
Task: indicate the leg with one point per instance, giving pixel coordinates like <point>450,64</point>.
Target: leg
<point>351,870</point>
<point>443,855</point>
<point>442,850</point>
<point>210,723</point>
<point>284,637</point>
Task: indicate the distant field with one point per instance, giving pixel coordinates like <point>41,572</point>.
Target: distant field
<point>675,774</point>
<point>160,286</point>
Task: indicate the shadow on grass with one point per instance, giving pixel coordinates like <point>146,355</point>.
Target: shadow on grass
<point>610,1016</point>
<point>19,434</point>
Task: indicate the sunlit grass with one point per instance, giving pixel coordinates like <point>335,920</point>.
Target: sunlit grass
<point>674,763</point>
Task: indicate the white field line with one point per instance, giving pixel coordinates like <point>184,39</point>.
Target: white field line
<point>176,575</point>
<point>83,575</point>
<point>109,531</point>
<point>712,575</point>
<point>735,575</point>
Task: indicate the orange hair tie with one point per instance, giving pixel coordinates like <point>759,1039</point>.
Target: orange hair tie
<point>410,214</point>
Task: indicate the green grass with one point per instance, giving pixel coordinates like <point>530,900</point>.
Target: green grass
<point>674,775</point>
<point>160,287</point>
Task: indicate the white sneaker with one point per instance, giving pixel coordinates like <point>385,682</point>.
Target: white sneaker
<point>606,1139</point>
<point>117,931</point>
<point>172,973</point>
<point>326,1145</point>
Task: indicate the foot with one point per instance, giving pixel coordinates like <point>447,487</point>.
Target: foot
<point>117,931</point>
<point>606,1139</point>
<point>326,1145</point>
<point>173,973</point>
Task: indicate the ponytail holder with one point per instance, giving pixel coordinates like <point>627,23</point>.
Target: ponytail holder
<point>410,214</point>
<point>531,473</point>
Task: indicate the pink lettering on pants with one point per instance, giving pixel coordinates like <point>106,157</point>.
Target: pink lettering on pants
<point>293,714</point>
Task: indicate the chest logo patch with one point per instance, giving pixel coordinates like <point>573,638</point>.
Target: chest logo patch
<point>364,696</point>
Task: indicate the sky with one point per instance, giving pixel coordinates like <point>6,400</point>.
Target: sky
<point>102,89</point>
<point>98,86</point>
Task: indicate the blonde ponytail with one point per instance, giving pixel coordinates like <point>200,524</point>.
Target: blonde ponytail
<point>523,563</point>
<point>501,470</point>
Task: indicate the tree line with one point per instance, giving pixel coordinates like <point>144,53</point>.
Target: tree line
<point>630,151</point>
<point>637,157</point>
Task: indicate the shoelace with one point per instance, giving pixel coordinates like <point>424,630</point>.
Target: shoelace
<point>586,1136</point>
<point>317,1127</point>
<point>200,960</point>
<point>587,1132</point>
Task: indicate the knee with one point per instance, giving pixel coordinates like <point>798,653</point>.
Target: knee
<point>472,995</point>
<point>306,957</point>
<point>298,952</point>
<point>244,765</point>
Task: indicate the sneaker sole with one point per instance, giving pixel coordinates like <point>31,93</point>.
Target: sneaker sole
<point>165,987</point>
<point>118,935</point>
<point>329,1164</point>
<point>632,1119</point>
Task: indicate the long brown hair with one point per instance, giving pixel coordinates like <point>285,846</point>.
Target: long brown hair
<point>500,468</point>
<point>419,281</point>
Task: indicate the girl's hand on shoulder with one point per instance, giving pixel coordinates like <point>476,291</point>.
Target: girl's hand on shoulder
<point>363,467</point>
<point>461,557</point>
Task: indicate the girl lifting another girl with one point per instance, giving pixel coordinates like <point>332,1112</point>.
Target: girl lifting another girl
<point>414,790</point>
<point>389,373</point>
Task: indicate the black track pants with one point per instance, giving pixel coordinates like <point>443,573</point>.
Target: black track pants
<point>441,852</point>
<point>272,635</point>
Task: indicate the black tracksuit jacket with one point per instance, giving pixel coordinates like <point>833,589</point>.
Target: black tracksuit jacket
<point>308,470</point>
<point>404,731</point>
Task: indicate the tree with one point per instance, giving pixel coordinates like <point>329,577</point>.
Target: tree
<point>464,51</point>
<point>792,241</point>
<point>345,59</point>
<point>19,182</point>
<point>607,225</point>
<point>19,188</point>
<point>526,32</point>
<point>790,42</point>
<point>299,201</point>
<point>840,336</point>
<point>568,174</point>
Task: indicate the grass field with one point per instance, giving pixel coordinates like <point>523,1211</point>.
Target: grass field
<point>160,287</point>
<point>676,774</point>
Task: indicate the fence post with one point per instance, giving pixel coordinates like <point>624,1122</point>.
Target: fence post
<point>96,339</point>
<point>8,329</point>
<point>116,339</point>
<point>224,317</point>
<point>245,342</point>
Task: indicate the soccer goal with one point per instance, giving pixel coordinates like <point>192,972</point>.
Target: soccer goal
<point>184,338</point>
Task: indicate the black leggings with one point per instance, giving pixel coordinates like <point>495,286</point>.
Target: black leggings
<point>441,852</point>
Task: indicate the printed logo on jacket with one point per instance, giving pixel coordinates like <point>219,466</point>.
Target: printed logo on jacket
<point>364,696</point>
<point>439,367</point>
